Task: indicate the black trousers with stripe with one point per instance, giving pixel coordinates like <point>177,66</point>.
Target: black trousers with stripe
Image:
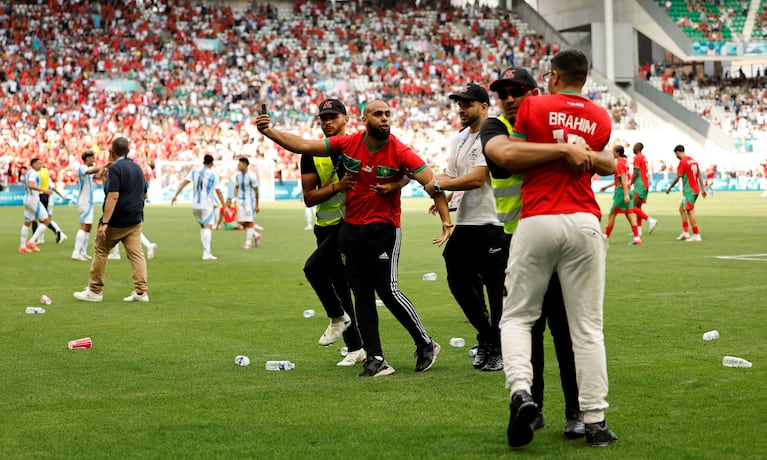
<point>371,256</point>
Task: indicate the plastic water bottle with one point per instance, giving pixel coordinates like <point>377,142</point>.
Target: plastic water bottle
<point>711,335</point>
<point>457,342</point>
<point>35,310</point>
<point>309,313</point>
<point>733,361</point>
<point>431,276</point>
<point>279,365</point>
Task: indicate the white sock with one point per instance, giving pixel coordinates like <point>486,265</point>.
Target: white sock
<point>84,243</point>
<point>205,236</point>
<point>145,242</point>
<point>250,233</point>
<point>309,213</point>
<point>41,228</point>
<point>24,236</point>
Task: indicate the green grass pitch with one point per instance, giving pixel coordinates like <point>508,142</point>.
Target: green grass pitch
<point>160,381</point>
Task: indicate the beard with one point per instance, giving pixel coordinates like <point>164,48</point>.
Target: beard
<point>379,133</point>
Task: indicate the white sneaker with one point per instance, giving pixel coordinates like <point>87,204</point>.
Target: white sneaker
<point>113,257</point>
<point>335,330</point>
<point>88,296</point>
<point>61,238</point>
<point>308,227</point>
<point>694,238</point>
<point>683,236</point>
<point>209,257</point>
<point>133,297</point>
<point>652,223</point>
<point>80,257</point>
<point>151,251</point>
<point>353,357</point>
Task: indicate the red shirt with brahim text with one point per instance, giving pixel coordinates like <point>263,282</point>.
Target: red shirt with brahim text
<point>554,188</point>
<point>387,163</point>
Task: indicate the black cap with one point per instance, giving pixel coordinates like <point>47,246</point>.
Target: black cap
<point>332,106</point>
<point>514,75</point>
<point>472,92</point>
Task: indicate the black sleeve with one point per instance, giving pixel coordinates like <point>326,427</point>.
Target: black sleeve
<point>491,128</point>
<point>307,165</point>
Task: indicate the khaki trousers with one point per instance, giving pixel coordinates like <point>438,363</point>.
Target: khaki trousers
<point>131,239</point>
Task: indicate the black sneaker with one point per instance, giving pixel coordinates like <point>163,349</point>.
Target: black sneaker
<point>574,427</point>
<point>599,434</point>
<point>426,355</point>
<point>481,357</point>
<point>493,363</point>
<point>523,412</point>
<point>539,422</point>
<point>376,367</point>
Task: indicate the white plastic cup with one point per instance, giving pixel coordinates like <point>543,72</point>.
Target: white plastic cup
<point>45,300</point>
<point>473,350</point>
<point>309,313</point>
<point>344,351</point>
<point>711,335</point>
<point>241,360</point>
<point>457,342</point>
<point>431,276</point>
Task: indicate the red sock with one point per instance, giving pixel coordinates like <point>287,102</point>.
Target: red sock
<point>608,230</point>
<point>695,230</point>
<point>686,227</point>
<point>641,215</point>
<point>635,229</point>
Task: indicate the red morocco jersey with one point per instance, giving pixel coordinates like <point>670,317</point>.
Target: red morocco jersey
<point>553,188</point>
<point>385,164</point>
<point>621,168</point>
<point>640,167</point>
<point>689,170</point>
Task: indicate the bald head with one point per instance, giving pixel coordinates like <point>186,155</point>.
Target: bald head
<point>376,118</point>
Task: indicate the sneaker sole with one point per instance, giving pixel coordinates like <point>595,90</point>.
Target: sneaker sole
<point>520,433</point>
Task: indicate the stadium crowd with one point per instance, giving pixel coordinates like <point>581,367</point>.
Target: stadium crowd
<point>198,73</point>
<point>195,100</point>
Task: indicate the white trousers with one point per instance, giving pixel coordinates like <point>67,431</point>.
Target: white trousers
<point>573,246</point>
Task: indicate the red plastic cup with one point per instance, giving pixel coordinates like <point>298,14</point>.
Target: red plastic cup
<point>80,343</point>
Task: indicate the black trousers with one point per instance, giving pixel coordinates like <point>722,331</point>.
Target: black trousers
<point>553,312</point>
<point>475,259</point>
<point>326,274</point>
<point>371,254</point>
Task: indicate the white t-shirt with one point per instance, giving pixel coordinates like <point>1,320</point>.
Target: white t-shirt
<point>477,206</point>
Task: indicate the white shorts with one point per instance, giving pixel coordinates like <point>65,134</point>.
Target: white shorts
<point>34,210</point>
<point>204,216</point>
<point>86,214</point>
<point>246,214</point>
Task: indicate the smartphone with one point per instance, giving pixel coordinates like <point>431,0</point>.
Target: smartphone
<point>263,109</point>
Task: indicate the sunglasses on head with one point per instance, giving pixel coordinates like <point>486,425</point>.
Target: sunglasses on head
<point>518,91</point>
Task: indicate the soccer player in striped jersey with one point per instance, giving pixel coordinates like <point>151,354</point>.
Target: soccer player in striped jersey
<point>205,181</point>
<point>246,191</point>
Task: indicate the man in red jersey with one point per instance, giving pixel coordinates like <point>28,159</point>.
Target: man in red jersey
<point>622,202</point>
<point>559,231</point>
<point>370,236</point>
<point>641,183</point>
<point>692,185</point>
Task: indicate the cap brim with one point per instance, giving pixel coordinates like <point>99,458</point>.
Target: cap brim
<point>506,81</point>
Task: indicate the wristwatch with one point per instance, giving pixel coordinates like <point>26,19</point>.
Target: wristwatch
<point>437,188</point>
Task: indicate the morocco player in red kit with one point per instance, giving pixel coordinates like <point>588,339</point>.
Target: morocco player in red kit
<point>559,231</point>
